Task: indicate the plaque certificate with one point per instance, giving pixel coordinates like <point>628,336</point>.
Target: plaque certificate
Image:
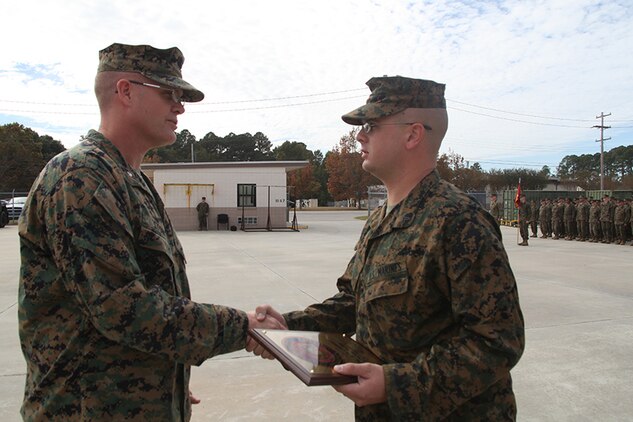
<point>311,355</point>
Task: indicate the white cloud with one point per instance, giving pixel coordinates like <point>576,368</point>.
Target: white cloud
<point>562,59</point>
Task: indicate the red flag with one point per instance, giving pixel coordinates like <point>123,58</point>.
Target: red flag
<point>517,198</point>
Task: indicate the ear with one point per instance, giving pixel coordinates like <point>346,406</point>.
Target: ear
<point>417,134</point>
<point>123,91</point>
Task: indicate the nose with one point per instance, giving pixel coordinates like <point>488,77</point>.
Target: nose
<point>179,108</point>
<point>361,136</point>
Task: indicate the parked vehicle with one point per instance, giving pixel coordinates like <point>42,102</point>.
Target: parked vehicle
<point>4,214</point>
<point>14,206</point>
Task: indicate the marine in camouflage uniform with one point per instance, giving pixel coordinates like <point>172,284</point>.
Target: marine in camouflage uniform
<point>582,219</point>
<point>544,218</point>
<point>496,208</point>
<point>203,214</point>
<point>620,220</point>
<point>557,218</point>
<point>429,288</point>
<point>606,219</point>
<point>569,218</point>
<point>534,217</point>
<point>525,211</point>
<point>594,221</point>
<point>106,323</point>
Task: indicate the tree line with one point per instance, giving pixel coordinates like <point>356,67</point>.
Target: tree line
<point>334,176</point>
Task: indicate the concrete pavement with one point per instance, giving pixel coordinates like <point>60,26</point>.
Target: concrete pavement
<point>577,300</point>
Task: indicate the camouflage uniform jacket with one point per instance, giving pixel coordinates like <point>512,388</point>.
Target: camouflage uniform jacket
<point>557,212</point>
<point>607,209</point>
<point>535,210</point>
<point>203,209</point>
<point>582,213</point>
<point>620,214</point>
<point>548,212</point>
<point>430,291</point>
<point>594,213</point>
<point>106,324</point>
<point>496,210</point>
<point>569,212</point>
<point>525,212</point>
<point>543,212</point>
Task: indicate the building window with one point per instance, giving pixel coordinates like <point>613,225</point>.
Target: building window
<point>246,195</point>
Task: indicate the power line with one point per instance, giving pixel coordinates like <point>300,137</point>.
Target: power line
<point>200,103</point>
<point>275,106</point>
<point>520,114</point>
<point>282,98</point>
<point>517,120</point>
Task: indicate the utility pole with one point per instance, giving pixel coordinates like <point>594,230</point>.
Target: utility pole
<point>602,127</point>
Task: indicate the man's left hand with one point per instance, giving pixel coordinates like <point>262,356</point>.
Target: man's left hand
<point>370,388</point>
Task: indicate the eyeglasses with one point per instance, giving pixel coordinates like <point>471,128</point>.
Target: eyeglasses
<point>174,94</point>
<point>368,126</point>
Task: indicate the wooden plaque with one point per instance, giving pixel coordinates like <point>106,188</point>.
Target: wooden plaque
<point>311,355</point>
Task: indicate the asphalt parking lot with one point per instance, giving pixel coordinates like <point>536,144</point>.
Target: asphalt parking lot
<point>577,299</point>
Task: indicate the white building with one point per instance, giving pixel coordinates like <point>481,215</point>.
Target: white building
<point>253,190</point>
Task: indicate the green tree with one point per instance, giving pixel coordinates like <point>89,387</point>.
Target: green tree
<point>303,181</point>
<point>292,151</point>
<point>347,179</point>
<point>321,175</point>
<point>23,154</point>
<point>509,178</point>
<point>452,168</point>
<point>178,152</point>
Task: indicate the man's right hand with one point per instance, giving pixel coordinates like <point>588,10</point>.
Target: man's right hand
<point>264,317</point>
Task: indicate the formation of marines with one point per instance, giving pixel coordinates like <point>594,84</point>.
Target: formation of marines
<point>607,220</point>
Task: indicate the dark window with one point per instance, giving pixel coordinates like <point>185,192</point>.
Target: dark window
<point>246,195</point>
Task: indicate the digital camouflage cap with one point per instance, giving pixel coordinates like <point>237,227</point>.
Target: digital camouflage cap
<point>160,65</point>
<point>393,94</point>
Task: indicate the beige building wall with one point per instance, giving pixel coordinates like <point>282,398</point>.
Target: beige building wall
<point>181,187</point>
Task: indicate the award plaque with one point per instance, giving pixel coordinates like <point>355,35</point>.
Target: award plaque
<point>311,355</point>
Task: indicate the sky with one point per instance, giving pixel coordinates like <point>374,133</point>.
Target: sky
<point>525,79</point>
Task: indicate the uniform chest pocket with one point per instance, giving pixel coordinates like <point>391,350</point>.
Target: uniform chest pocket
<point>156,260</point>
<point>149,239</point>
<point>386,281</point>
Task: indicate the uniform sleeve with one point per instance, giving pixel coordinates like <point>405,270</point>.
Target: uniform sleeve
<point>336,314</point>
<point>93,244</point>
<point>489,341</point>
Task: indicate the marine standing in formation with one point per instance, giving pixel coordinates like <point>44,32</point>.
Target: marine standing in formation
<point>525,212</point>
<point>429,288</point>
<point>534,216</point>
<point>605,221</point>
<point>569,219</point>
<point>545,217</point>
<point>582,219</point>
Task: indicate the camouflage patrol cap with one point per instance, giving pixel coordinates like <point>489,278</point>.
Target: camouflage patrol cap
<point>392,94</point>
<point>160,65</point>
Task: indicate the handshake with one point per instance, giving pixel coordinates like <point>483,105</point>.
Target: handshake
<point>264,316</point>
<point>370,388</point>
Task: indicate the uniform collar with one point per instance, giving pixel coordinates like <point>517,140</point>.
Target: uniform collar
<point>132,175</point>
<point>403,214</point>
